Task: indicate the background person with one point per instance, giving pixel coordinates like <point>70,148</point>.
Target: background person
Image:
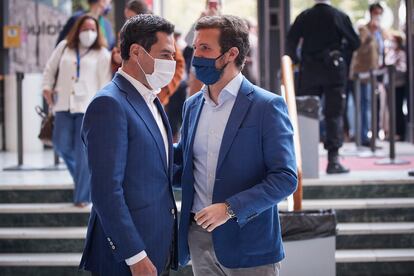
<point>98,9</point>
<point>321,31</point>
<point>237,157</point>
<point>81,64</point>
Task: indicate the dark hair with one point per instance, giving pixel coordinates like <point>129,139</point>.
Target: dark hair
<point>233,33</point>
<point>137,6</point>
<point>73,36</point>
<point>374,6</point>
<point>142,29</point>
<point>399,40</point>
<point>92,1</point>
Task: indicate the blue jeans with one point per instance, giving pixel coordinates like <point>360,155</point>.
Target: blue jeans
<point>365,111</point>
<point>68,145</point>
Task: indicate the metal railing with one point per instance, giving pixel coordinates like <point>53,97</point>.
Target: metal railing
<point>20,150</point>
<point>388,73</point>
<point>289,88</point>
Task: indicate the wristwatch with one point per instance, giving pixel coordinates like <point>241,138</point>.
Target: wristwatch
<point>229,211</point>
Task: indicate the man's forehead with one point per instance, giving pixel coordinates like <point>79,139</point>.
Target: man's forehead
<point>207,36</point>
<point>165,42</point>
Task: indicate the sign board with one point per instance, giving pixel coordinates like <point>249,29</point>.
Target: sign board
<point>11,36</point>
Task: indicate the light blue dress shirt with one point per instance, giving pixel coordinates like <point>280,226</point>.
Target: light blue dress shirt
<point>207,141</point>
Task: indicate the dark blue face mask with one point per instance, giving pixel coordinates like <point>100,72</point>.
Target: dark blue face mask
<point>107,10</point>
<point>206,71</point>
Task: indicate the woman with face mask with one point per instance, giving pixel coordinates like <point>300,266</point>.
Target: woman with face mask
<point>76,70</point>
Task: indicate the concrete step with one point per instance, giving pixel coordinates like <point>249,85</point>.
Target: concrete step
<point>42,239</point>
<point>341,256</point>
<point>348,210</point>
<point>43,194</point>
<point>374,255</point>
<point>311,204</point>
<point>379,262</point>
<point>25,233</point>
<point>346,229</point>
<point>43,215</point>
<point>375,235</point>
<point>388,190</point>
<point>57,187</point>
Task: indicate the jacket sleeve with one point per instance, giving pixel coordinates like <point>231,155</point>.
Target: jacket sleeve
<point>105,134</point>
<point>52,65</point>
<point>280,162</point>
<point>295,33</point>
<point>179,151</point>
<point>349,33</point>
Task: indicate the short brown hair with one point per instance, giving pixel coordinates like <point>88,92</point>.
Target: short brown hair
<point>73,36</point>
<point>233,33</point>
<point>138,6</point>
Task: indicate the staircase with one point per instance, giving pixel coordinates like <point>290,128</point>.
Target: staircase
<point>42,233</point>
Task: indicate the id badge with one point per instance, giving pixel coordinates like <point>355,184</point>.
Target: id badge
<point>80,89</point>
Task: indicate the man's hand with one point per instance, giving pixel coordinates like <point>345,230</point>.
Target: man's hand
<point>143,268</point>
<point>212,216</point>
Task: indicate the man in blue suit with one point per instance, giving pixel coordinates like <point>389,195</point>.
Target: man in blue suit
<point>237,159</point>
<point>132,227</point>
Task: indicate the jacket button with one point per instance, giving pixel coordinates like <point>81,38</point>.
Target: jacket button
<point>172,211</point>
<point>113,247</point>
<point>109,239</point>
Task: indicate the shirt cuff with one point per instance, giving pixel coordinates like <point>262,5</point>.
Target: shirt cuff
<point>137,258</point>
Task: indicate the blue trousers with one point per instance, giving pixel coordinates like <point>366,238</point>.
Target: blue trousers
<point>68,145</point>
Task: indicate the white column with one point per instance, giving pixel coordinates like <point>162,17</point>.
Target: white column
<point>31,121</point>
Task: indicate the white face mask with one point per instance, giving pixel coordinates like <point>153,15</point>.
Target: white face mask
<point>88,38</point>
<point>164,71</point>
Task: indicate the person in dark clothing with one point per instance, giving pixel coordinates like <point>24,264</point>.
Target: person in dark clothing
<point>97,8</point>
<point>325,34</point>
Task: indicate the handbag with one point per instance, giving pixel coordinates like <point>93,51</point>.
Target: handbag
<point>46,128</point>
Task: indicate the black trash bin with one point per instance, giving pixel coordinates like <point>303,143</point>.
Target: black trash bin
<point>309,238</point>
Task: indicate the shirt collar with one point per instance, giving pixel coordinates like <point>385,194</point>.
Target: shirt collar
<point>326,2</point>
<point>148,95</point>
<point>230,90</point>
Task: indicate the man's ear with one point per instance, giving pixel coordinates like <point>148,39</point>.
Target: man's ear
<point>134,50</point>
<point>233,53</point>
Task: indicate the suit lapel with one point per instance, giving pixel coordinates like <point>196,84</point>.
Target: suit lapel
<point>140,106</point>
<point>195,112</point>
<point>169,134</point>
<point>239,111</point>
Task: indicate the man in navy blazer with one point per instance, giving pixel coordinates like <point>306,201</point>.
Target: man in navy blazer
<point>132,227</point>
<point>237,160</point>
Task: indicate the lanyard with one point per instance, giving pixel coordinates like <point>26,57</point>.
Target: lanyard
<point>78,58</point>
<point>101,21</point>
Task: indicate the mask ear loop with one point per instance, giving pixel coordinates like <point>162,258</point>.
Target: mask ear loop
<point>140,64</point>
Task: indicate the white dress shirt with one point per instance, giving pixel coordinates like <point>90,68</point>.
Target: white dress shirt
<point>207,141</point>
<point>149,97</point>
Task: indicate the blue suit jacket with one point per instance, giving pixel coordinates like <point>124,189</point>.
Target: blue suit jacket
<point>133,204</point>
<point>256,170</point>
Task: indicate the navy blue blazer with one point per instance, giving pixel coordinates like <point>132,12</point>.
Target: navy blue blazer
<point>133,203</point>
<point>256,170</point>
